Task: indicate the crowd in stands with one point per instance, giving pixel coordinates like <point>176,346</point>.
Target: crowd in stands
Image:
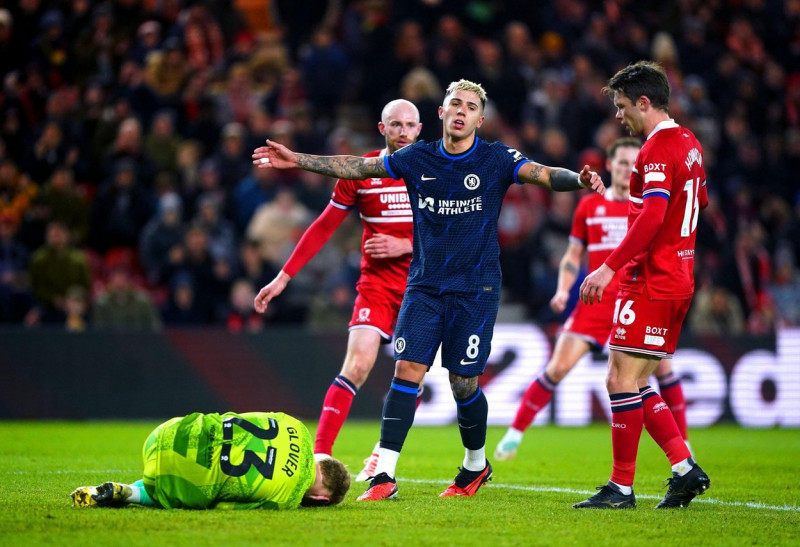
<point>128,199</point>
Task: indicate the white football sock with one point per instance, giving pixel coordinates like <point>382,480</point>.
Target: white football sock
<point>475,460</point>
<point>387,462</point>
<point>627,490</point>
<point>683,467</point>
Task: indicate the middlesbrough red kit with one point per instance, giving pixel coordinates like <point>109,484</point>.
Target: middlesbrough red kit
<point>384,208</point>
<point>599,224</point>
<point>656,259</point>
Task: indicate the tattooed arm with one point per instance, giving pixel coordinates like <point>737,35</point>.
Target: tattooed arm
<point>344,167</point>
<point>567,275</point>
<point>560,180</point>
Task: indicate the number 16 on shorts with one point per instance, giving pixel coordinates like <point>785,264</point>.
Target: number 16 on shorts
<point>645,326</point>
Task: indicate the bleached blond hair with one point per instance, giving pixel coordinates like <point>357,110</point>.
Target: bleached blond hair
<point>466,85</point>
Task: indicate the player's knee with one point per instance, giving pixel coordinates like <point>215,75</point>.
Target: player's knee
<point>357,370</point>
<point>463,387</point>
<point>408,370</point>
<point>557,370</point>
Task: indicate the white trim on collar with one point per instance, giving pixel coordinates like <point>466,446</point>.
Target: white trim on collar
<point>666,124</point>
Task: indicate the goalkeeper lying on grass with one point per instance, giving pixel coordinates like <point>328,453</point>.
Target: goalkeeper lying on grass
<point>231,461</point>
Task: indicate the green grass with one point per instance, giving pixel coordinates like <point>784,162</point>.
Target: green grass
<point>754,498</point>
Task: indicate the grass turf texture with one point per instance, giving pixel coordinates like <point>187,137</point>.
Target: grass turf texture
<point>754,498</point>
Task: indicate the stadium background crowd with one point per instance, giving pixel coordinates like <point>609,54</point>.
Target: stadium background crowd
<point>128,200</point>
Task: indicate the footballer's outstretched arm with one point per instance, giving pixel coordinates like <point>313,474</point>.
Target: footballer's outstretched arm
<point>559,179</point>
<point>344,167</point>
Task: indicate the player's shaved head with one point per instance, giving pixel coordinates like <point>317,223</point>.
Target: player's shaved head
<point>398,105</point>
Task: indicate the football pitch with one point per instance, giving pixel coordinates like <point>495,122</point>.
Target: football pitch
<point>754,497</point>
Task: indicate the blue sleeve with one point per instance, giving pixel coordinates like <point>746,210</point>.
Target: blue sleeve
<point>517,168</point>
<point>387,161</point>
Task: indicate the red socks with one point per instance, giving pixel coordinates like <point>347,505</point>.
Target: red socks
<point>335,409</point>
<point>627,420</point>
<point>660,424</point>
<point>536,397</point>
<point>672,393</point>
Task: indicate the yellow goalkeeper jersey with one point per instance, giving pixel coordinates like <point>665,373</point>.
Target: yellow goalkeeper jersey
<point>233,461</point>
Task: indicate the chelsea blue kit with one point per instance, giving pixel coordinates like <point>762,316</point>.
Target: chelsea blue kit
<point>454,280</point>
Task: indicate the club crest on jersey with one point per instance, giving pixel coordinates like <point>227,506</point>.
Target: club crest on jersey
<point>472,181</point>
<point>400,345</point>
<point>363,314</point>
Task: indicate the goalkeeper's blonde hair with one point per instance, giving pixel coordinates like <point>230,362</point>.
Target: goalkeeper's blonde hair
<point>467,85</point>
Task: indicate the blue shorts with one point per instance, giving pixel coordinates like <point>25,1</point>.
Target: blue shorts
<point>462,323</point>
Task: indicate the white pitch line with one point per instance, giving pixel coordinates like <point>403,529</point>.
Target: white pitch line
<point>698,499</point>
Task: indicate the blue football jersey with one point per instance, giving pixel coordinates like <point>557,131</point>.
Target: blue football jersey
<point>456,202</point>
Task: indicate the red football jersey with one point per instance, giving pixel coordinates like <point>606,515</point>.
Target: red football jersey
<point>600,224</point>
<point>669,166</point>
<point>384,208</point>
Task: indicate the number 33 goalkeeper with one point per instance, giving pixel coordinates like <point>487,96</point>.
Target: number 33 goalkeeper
<point>227,461</point>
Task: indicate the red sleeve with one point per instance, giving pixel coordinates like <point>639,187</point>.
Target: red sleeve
<point>641,232</point>
<point>314,238</point>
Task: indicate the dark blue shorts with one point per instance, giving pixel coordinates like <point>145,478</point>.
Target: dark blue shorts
<point>462,323</point>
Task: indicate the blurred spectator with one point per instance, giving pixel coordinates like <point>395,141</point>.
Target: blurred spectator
<point>15,298</point>
<point>421,88</point>
<point>122,306</point>
<point>48,152</point>
<point>313,190</point>
<point>784,289</point>
<point>209,284</point>
<point>549,244</point>
<point>505,87</point>
<point>54,268</point>
<point>33,228</point>
<point>182,307</point>
<point>520,216</point>
<point>323,62</point>
<point>51,49</point>
<point>161,144</point>
<point>716,311</point>
<point>254,190</point>
<point>148,39</point>
<point>120,209</point>
<point>97,46</point>
<point>222,240</point>
<point>240,96</point>
<point>254,268</point>
<point>161,242</point>
<point>278,225</point>
<point>207,183</point>
<point>16,190</point>
<point>128,145</point>
<point>241,314</point>
<point>231,158</point>
<point>67,204</point>
<point>746,273</point>
<point>166,72</point>
<point>76,307</point>
<point>187,166</point>
<point>202,36</point>
<point>9,59</point>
